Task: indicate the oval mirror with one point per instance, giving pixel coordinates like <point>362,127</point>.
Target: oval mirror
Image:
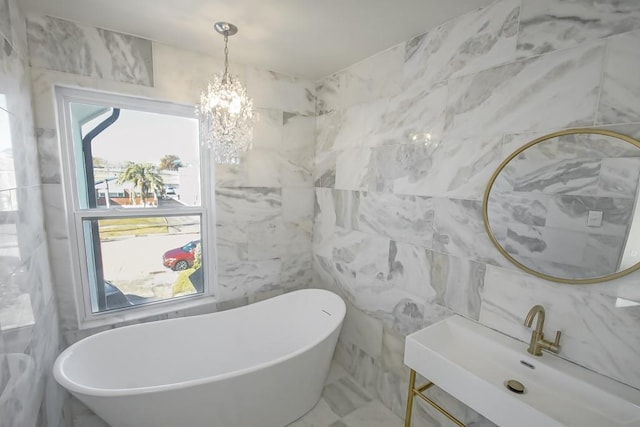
<point>563,207</point>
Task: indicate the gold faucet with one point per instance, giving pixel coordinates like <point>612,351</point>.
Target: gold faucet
<point>538,343</point>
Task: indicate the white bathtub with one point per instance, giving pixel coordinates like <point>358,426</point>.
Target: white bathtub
<point>263,365</point>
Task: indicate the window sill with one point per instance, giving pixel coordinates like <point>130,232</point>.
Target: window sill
<point>133,315</point>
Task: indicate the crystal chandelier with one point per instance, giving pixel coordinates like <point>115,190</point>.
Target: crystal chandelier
<point>225,110</point>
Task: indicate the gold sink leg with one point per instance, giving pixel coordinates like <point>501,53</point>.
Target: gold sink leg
<point>412,383</point>
<point>413,392</point>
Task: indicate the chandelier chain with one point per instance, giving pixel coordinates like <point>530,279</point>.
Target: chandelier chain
<point>225,78</point>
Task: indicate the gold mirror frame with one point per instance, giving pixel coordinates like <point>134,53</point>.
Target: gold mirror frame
<point>485,206</point>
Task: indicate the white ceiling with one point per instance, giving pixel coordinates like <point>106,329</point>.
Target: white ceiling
<point>307,38</point>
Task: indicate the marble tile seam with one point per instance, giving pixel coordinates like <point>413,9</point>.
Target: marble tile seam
<point>31,186</point>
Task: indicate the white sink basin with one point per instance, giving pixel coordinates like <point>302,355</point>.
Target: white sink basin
<point>472,363</point>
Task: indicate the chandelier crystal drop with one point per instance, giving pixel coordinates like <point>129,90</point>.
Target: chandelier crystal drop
<point>225,111</point>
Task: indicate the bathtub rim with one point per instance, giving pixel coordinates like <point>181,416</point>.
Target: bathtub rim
<point>75,387</point>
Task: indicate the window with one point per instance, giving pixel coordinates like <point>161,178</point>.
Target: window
<point>140,217</point>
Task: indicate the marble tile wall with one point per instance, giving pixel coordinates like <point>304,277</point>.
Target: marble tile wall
<point>394,167</point>
<point>264,207</point>
<point>405,145</point>
<point>29,334</point>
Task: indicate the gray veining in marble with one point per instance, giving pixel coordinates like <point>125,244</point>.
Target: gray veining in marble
<point>248,204</point>
<point>547,243</point>
<point>328,94</point>
<point>296,271</point>
<point>346,207</point>
<point>458,283</point>
<point>341,129</point>
<point>549,25</point>
<point>362,257</point>
<point>363,367</point>
<point>475,158</point>
<point>549,91</point>
<point>408,163</point>
<point>409,269</point>
<point>521,208</point>
<point>241,279</point>
<point>360,264</point>
<point>473,42</point>
<point>324,222</point>
<point>406,219</point>
<point>324,172</point>
<point>48,156</point>
<point>411,117</point>
<point>18,29</point>
<point>352,169</point>
<point>573,176</point>
<point>459,231</point>
<point>56,44</point>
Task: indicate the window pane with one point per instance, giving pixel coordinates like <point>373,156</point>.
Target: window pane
<point>130,158</point>
<point>139,260</point>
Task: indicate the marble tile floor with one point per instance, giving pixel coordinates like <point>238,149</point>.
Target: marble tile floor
<point>345,404</point>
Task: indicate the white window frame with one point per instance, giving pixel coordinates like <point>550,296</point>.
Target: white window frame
<point>80,270</point>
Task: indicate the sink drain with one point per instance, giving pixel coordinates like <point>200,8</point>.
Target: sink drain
<point>515,386</point>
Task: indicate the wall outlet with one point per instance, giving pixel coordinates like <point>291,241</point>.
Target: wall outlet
<point>594,219</point>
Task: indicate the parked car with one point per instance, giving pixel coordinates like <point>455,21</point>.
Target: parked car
<point>180,258</point>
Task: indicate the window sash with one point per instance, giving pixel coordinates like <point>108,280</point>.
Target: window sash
<point>85,253</point>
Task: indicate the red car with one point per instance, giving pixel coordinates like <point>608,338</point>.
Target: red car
<point>180,258</point>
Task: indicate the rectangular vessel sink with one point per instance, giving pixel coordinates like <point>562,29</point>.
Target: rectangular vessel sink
<point>472,363</point>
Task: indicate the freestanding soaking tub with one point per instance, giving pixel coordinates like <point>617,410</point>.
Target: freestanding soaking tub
<point>262,365</point>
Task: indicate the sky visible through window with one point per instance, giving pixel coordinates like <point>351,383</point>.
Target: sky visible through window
<point>143,137</point>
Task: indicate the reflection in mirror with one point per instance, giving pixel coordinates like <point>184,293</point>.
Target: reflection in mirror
<point>563,206</point>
